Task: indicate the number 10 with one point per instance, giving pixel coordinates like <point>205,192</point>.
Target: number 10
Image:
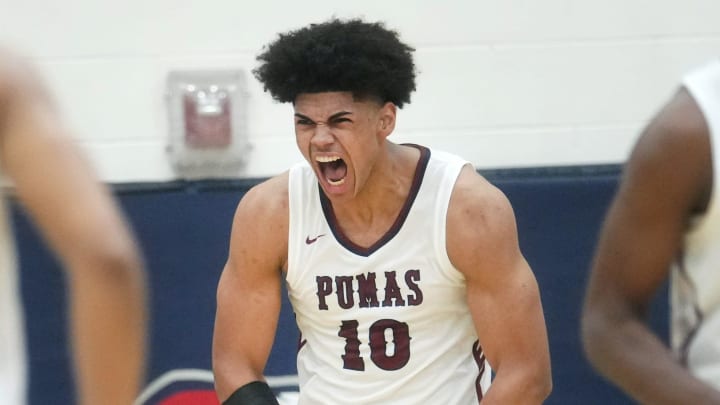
<point>378,345</point>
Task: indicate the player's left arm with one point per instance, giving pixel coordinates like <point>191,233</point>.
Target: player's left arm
<point>502,292</point>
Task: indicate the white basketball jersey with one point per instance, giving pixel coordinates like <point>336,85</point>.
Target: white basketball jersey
<point>387,324</point>
<point>695,284</point>
<point>12,349</point>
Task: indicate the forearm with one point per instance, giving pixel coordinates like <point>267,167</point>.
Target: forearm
<point>236,361</point>
<point>520,386</point>
<point>108,322</point>
<point>245,323</point>
<point>631,356</point>
<point>231,375</point>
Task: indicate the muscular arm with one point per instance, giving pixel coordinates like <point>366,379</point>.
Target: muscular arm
<point>248,295</point>
<point>81,223</point>
<point>502,292</point>
<point>667,178</point>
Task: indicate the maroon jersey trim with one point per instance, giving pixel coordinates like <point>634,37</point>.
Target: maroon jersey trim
<point>479,357</point>
<point>399,221</point>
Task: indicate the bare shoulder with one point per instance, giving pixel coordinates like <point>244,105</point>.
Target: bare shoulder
<point>260,225</point>
<point>680,115</point>
<point>266,202</point>
<point>25,100</point>
<point>481,222</point>
<point>672,153</point>
<point>11,67</point>
<point>18,76</point>
<point>680,123</point>
<point>477,202</point>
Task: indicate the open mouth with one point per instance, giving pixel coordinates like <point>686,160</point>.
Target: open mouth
<point>333,169</point>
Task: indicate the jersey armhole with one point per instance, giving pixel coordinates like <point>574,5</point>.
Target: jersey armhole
<point>444,194</point>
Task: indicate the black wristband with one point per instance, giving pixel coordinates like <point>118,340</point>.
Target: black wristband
<point>254,393</point>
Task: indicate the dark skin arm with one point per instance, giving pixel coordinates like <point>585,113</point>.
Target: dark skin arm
<point>666,181</point>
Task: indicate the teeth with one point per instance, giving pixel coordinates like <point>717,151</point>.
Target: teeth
<point>327,159</point>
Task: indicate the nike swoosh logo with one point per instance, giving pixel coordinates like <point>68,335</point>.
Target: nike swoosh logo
<point>313,240</point>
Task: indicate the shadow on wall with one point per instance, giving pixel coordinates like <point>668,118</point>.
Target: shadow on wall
<point>184,229</point>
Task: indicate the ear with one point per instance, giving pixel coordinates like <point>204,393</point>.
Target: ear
<point>386,121</point>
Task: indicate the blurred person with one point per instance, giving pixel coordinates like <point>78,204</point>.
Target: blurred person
<point>82,224</point>
<point>663,224</point>
<point>402,263</point>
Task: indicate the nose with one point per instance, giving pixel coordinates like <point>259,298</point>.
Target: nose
<point>322,135</point>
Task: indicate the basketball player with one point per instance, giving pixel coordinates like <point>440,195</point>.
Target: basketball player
<point>402,263</point>
<point>81,223</point>
<point>664,223</point>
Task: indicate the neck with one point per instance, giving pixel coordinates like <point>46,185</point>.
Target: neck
<point>384,193</point>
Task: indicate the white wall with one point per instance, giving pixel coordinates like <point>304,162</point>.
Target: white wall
<point>505,83</point>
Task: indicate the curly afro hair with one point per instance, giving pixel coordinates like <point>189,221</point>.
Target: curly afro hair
<point>363,58</point>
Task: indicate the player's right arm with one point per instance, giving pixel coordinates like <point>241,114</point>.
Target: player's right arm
<point>666,181</point>
<point>248,294</point>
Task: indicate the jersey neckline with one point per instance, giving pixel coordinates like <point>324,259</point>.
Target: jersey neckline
<point>399,220</point>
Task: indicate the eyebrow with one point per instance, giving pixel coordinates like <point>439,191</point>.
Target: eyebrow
<point>332,117</point>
